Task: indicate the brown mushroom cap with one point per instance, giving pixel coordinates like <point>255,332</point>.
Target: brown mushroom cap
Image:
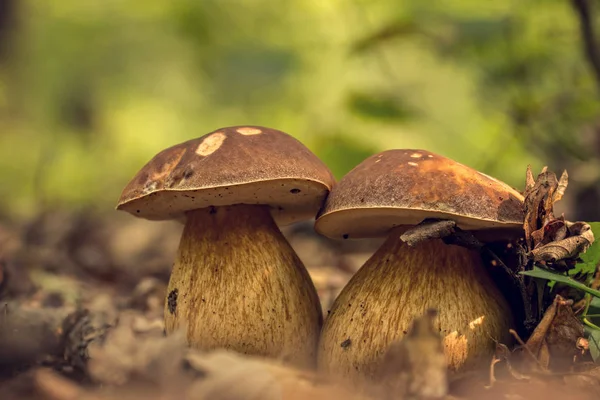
<point>404,187</point>
<point>233,165</point>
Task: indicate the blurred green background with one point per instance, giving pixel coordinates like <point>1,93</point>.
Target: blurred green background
<point>91,90</point>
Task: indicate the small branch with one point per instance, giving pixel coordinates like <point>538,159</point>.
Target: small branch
<point>27,335</point>
<point>590,46</point>
<point>428,229</point>
<point>50,336</point>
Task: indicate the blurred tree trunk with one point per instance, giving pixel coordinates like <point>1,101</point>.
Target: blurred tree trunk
<point>584,11</point>
<point>8,22</point>
<point>588,195</point>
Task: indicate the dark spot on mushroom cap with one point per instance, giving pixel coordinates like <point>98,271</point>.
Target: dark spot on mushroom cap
<point>346,343</point>
<point>295,191</point>
<point>188,173</point>
<point>172,301</point>
<point>345,236</point>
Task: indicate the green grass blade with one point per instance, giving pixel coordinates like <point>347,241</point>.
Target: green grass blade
<point>542,273</point>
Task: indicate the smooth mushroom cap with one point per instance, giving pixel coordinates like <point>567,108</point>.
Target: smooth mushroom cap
<point>233,165</point>
<point>404,187</point>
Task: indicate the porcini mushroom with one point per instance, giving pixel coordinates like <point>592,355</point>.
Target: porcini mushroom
<point>383,196</point>
<point>236,282</point>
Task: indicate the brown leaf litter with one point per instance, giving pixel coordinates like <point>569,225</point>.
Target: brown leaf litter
<point>552,240</point>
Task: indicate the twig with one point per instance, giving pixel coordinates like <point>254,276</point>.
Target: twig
<point>428,229</point>
<point>495,360</point>
<point>527,349</point>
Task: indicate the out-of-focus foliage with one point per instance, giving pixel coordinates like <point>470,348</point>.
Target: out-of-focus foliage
<point>91,90</point>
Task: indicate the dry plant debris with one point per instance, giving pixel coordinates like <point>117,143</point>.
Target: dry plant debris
<point>554,344</point>
<point>552,240</point>
<point>556,355</point>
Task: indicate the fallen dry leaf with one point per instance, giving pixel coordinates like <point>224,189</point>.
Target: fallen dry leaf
<point>555,341</point>
<point>568,248</point>
<point>551,240</point>
<point>538,202</point>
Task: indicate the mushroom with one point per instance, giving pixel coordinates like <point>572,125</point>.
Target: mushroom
<point>236,282</point>
<point>383,196</point>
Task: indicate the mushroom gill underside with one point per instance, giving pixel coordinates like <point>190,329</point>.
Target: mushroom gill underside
<point>399,283</point>
<point>238,284</point>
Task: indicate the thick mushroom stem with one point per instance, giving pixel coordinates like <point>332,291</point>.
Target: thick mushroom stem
<point>399,283</point>
<point>238,284</point>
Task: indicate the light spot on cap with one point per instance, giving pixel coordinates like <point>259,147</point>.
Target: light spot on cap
<point>414,164</point>
<point>248,131</point>
<point>456,346</point>
<point>210,144</point>
<point>150,186</point>
<point>476,322</point>
<point>416,155</point>
<point>430,156</point>
<point>165,169</point>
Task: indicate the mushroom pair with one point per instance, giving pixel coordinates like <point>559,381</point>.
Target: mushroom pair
<point>236,282</point>
<point>384,196</point>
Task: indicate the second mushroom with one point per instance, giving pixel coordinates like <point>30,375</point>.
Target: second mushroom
<point>384,196</point>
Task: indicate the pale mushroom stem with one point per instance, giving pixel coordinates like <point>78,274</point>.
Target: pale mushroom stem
<point>238,284</point>
<point>399,283</point>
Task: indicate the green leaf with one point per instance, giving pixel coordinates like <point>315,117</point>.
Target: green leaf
<point>543,273</point>
<point>594,306</point>
<point>594,341</point>
<point>593,311</point>
<point>591,258</point>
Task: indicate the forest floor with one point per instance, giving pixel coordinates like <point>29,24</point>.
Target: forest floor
<point>82,302</point>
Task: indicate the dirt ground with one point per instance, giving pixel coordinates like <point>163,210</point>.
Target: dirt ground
<point>82,299</point>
